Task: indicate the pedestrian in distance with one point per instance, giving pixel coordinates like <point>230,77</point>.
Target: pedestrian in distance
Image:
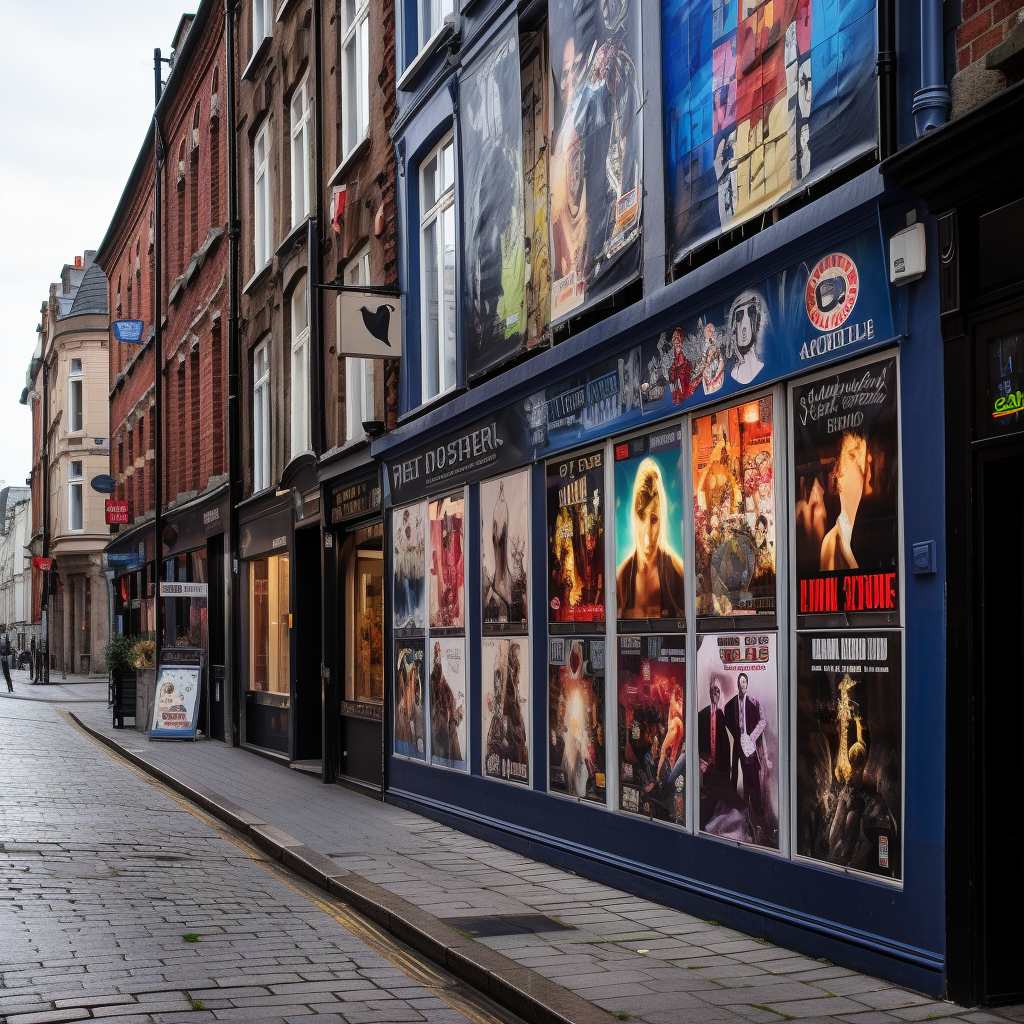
<point>5,659</point>
<point>32,660</point>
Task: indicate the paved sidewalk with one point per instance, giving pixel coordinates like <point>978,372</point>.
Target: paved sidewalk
<point>69,690</point>
<point>622,954</point>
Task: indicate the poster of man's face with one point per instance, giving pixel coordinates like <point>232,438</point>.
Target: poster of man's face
<point>738,736</point>
<point>652,726</point>
<point>410,729</point>
<point>649,527</point>
<point>448,709</point>
<point>845,500</point>
<point>409,526</point>
<point>577,497</point>
<point>505,551</point>
<point>506,708</point>
<point>849,750</point>
<point>447,565</point>
<point>576,751</point>
<point>734,510</point>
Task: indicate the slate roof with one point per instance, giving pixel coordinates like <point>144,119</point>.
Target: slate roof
<point>92,293</point>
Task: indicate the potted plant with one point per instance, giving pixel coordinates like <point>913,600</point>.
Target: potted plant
<point>120,655</point>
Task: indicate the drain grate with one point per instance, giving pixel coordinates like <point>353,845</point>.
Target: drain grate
<point>505,924</point>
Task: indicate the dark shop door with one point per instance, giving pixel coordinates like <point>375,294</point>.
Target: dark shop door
<point>999,712</point>
<point>215,630</point>
<point>308,707</point>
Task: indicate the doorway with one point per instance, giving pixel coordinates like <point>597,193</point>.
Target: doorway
<point>215,634</point>
<point>306,635</point>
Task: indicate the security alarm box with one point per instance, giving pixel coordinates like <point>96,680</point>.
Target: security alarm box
<point>907,255</point>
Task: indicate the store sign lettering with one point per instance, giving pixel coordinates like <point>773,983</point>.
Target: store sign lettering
<point>1006,405</point>
<point>865,593</point>
<point>475,447</point>
<point>836,340</point>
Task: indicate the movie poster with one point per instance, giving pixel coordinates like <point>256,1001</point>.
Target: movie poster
<point>845,472</point>
<point>448,708</point>
<point>849,750</point>
<point>652,726</point>
<point>506,708</point>
<point>738,736</point>
<point>734,510</point>
<point>649,528</point>
<point>576,754</point>
<point>596,163</point>
<point>447,567</point>
<point>410,727</point>
<point>174,710</point>
<point>409,528</point>
<point>760,100</point>
<point>536,99</point>
<point>505,552</point>
<point>576,500</point>
<point>495,263</point>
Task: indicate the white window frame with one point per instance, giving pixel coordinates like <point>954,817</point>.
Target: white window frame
<point>76,495</point>
<point>300,439</point>
<point>261,416</point>
<point>430,15</point>
<point>439,368</point>
<point>263,220</point>
<point>262,22</point>
<point>359,373</point>
<point>355,68</point>
<point>300,152</point>
<point>76,406</point>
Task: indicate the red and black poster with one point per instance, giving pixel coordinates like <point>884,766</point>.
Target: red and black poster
<point>849,750</point>
<point>846,473</point>
<point>576,751</point>
<point>576,508</point>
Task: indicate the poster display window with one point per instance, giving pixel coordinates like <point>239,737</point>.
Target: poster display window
<point>576,499</point>
<point>845,503</point>
<point>734,511</point>
<point>652,726</point>
<point>446,687</point>
<point>738,736</point>
<point>576,754</point>
<point>505,552</point>
<point>410,716</point>
<point>649,582</point>
<point>408,532</point>
<point>505,720</point>
<point>849,750</point>
<point>447,565</point>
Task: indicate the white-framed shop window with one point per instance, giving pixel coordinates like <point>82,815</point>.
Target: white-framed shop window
<point>300,368</point>
<point>261,417</point>
<point>437,268</point>
<point>431,17</point>
<point>355,73</point>
<point>76,396</point>
<point>359,380</point>
<point>262,22</point>
<point>76,496</point>
<point>263,210</point>
<point>300,152</point>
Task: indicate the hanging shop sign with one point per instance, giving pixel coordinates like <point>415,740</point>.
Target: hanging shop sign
<point>130,331</point>
<point>178,685</point>
<point>184,589</point>
<point>42,564</point>
<point>103,483</point>
<point>759,104</point>
<point>353,500</point>
<point>370,324</point>
<point>115,511</point>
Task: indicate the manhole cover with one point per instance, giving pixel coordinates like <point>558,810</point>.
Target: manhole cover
<point>506,924</point>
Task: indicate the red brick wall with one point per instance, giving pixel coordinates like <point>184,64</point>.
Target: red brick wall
<point>984,25</point>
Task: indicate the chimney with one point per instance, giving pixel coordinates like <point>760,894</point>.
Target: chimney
<point>78,263</point>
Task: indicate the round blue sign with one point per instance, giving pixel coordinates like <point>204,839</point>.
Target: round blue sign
<point>103,483</point>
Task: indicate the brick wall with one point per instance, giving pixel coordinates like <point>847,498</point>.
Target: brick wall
<point>984,25</point>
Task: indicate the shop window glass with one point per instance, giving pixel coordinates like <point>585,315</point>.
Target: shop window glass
<point>269,615</point>
<point>365,626</point>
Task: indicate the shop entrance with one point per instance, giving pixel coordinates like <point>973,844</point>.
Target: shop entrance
<point>306,634</point>
<point>215,634</point>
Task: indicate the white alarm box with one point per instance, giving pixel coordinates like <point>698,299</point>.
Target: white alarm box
<point>907,255</point>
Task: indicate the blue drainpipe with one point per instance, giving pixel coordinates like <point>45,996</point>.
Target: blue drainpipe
<point>932,101</point>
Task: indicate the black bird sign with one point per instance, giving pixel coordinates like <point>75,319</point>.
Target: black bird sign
<point>378,323</point>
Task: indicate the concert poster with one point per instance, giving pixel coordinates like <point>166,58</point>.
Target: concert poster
<point>447,565</point>
<point>652,726</point>
<point>410,727</point>
<point>738,736</point>
<point>734,510</point>
<point>649,529</point>
<point>576,505</point>
<point>849,750</point>
<point>845,473</point>
<point>409,528</point>
<point>505,552</point>
<point>576,752</point>
<point>448,709</point>
<point>506,708</point>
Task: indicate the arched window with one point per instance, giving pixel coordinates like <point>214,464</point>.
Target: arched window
<point>181,209</point>
<point>215,150</point>
<point>193,191</point>
<point>118,306</point>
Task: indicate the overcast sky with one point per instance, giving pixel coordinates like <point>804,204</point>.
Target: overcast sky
<point>76,98</point>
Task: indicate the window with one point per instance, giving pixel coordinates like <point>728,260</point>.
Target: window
<point>262,22</point>
<point>432,15</point>
<point>261,192</point>
<point>269,608</point>
<point>76,382</point>
<point>300,369</point>
<point>355,73</point>
<point>359,404</point>
<point>437,257</point>
<point>364,613</point>
<point>261,418</point>
<point>300,154</point>
<point>76,509</point>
